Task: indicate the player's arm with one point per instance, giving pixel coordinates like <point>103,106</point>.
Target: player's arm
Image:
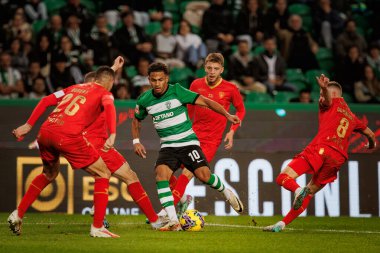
<point>238,103</point>
<point>45,102</point>
<point>110,113</point>
<point>203,101</point>
<point>370,136</point>
<point>137,146</point>
<point>325,100</point>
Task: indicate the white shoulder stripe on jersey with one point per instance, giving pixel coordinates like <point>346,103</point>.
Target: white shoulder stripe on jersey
<point>179,136</point>
<point>164,106</point>
<point>59,93</point>
<point>180,144</point>
<point>179,119</point>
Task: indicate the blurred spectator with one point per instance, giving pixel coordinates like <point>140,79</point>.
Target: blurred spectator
<point>11,84</point>
<point>367,90</point>
<point>327,22</point>
<point>147,11</point>
<point>36,10</point>
<point>350,37</point>
<point>279,15</point>
<point>131,40</point>
<point>190,47</point>
<point>269,68</point>
<point>249,23</point>
<point>34,71</point>
<point>373,58</point>
<point>72,55</point>
<point>19,60</point>
<point>112,10</point>
<point>60,74</point>
<point>239,69</point>
<point>303,97</point>
<point>140,82</point>
<point>54,31</point>
<point>42,54</point>
<point>297,46</point>
<point>38,88</point>
<point>218,27</point>
<point>75,33</point>
<point>122,92</point>
<point>88,64</point>
<point>165,45</point>
<point>75,8</point>
<point>18,28</point>
<point>100,37</point>
<point>194,12</point>
<point>350,70</point>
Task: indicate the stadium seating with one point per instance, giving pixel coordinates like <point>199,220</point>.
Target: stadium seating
<point>131,71</point>
<point>284,96</point>
<point>181,75</point>
<point>325,59</point>
<point>258,97</point>
<point>312,81</point>
<point>152,28</point>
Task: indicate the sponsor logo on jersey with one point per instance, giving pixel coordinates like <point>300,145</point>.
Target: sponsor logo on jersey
<point>221,94</point>
<point>163,116</point>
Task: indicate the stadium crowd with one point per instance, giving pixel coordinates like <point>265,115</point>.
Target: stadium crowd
<point>274,49</point>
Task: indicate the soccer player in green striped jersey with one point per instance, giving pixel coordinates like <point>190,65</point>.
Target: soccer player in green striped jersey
<point>179,145</point>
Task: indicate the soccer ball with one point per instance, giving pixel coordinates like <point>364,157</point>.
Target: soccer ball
<point>192,220</point>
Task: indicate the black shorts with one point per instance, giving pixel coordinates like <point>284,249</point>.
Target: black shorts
<point>191,157</point>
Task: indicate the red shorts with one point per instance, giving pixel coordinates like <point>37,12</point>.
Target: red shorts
<point>78,152</point>
<point>209,150</point>
<point>321,161</point>
<point>112,158</point>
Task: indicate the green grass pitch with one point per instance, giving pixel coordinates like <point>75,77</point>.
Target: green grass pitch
<point>56,233</point>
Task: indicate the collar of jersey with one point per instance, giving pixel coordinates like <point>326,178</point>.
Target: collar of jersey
<point>215,85</point>
<point>158,96</point>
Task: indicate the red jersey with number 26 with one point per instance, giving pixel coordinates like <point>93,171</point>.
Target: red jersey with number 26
<point>80,106</point>
<point>336,124</point>
<point>207,124</point>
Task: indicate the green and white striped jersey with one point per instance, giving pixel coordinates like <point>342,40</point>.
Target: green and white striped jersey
<point>169,114</point>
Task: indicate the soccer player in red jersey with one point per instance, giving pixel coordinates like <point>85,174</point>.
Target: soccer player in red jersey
<point>96,134</point>
<point>326,153</point>
<point>61,133</point>
<point>207,124</point>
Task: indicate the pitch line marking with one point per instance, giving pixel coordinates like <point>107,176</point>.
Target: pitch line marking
<point>214,225</point>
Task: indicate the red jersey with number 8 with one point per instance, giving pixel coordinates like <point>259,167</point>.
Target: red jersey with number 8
<point>336,124</point>
<point>80,106</point>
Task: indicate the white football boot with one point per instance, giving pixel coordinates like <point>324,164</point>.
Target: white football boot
<point>102,232</point>
<point>235,202</point>
<point>278,227</point>
<point>15,222</point>
<point>161,222</point>
<point>172,226</point>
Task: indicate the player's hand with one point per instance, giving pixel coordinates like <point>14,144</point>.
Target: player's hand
<point>233,118</point>
<point>21,131</point>
<point>109,142</point>
<point>118,63</point>
<point>229,139</point>
<point>323,81</point>
<point>140,150</point>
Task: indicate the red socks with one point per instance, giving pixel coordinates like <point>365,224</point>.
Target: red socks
<point>142,200</point>
<point>172,182</point>
<point>295,213</point>
<point>180,188</point>
<point>287,182</point>
<point>34,190</point>
<point>100,200</point>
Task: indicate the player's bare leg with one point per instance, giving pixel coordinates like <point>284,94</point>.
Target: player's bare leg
<point>49,173</point>
<point>101,174</point>
<point>139,195</point>
<point>163,174</point>
<point>212,180</point>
